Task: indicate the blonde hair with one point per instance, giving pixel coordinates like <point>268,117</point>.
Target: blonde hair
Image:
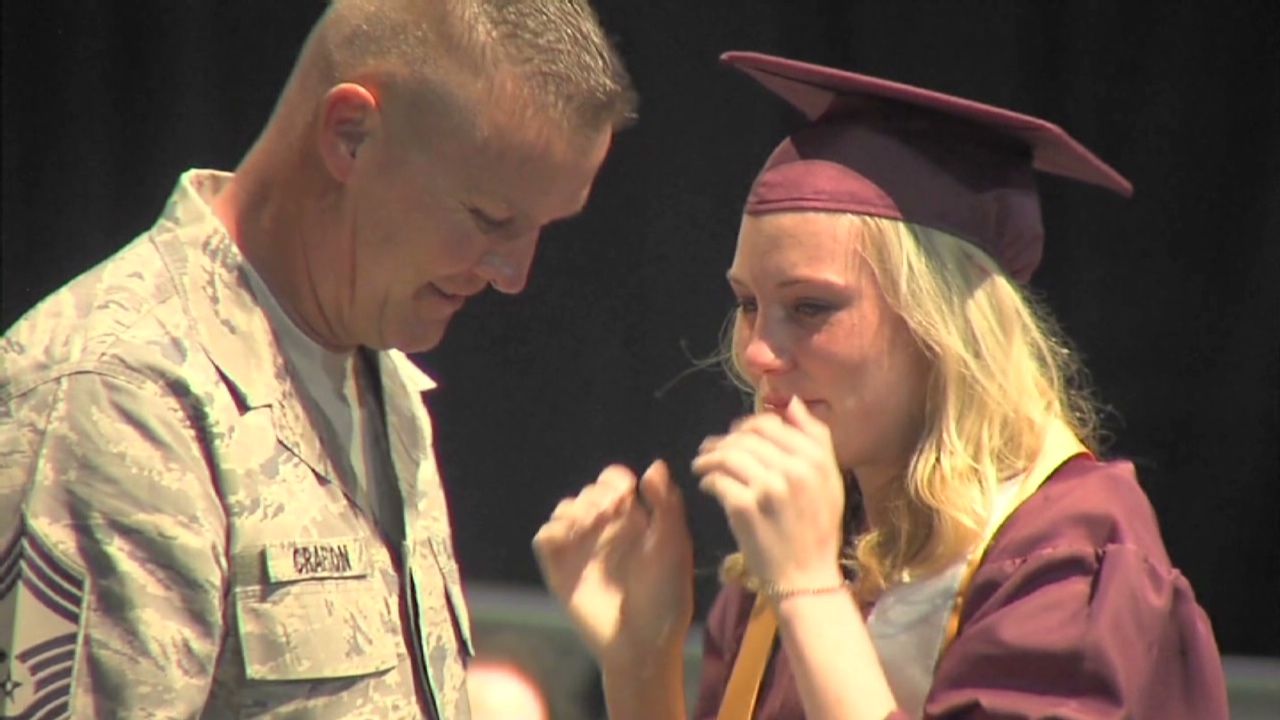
<point>1000,370</point>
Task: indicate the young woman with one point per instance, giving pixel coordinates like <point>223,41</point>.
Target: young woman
<point>923,527</point>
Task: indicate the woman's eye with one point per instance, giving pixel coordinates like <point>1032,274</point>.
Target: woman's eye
<point>811,310</point>
<point>746,306</point>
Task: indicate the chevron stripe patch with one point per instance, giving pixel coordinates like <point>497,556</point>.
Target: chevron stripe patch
<point>41,604</point>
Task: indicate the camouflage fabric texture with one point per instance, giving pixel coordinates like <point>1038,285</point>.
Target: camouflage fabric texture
<point>173,539</point>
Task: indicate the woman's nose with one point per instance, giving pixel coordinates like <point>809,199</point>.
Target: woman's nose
<point>761,353</point>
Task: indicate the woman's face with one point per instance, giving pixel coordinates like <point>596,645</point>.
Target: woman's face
<point>812,322</point>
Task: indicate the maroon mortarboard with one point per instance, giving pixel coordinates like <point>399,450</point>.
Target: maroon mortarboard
<point>882,148</point>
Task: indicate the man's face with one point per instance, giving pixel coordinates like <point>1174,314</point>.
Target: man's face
<point>430,221</point>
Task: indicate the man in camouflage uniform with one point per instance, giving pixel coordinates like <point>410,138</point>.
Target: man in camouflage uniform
<point>218,493</point>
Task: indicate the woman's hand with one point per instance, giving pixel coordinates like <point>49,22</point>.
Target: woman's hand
<point>621,562</point>
<point>776,477</point>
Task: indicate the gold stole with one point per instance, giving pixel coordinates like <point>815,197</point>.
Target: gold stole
<point>739,700</point>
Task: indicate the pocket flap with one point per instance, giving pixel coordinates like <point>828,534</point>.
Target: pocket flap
<point>316,629</point>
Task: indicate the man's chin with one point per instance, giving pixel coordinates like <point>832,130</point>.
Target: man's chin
<point>414,340</point>
<point>422,340</point>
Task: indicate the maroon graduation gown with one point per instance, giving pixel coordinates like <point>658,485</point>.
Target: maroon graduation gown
<point>1075,612</point>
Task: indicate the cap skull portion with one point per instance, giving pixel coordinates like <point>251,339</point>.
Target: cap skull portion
<point>890,150</point>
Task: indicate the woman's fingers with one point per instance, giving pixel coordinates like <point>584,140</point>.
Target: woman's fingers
<point>731,458</point>
<point>613,486</point>
<point>736,499</point>
<point>797,414</point>
<point>797,433</point>
<point>616,479</point>
<point>778,431</point>
<point>666,528</point>
<point>754,459</point>
<point>659,493</point>
<point>606,498</point>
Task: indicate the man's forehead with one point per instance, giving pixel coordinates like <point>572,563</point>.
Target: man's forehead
<point>545,178</point>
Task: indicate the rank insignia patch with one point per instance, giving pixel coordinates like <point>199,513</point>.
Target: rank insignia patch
<point>40,609</point>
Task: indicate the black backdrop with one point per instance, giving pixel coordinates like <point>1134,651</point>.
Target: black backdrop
<point>1172,296</point>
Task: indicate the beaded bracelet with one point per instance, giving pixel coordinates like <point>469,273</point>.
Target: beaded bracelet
<point>777,593</point>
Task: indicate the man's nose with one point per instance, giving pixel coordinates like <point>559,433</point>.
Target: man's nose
<point>506,266</point>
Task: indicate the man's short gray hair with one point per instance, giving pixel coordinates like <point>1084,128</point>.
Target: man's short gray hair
<point>556,50</point>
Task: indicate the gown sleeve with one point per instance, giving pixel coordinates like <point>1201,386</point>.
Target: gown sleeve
<point>1076,612</point>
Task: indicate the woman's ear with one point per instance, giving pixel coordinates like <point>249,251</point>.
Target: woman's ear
<point>351,115</point>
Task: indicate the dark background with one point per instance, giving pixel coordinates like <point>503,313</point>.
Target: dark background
<point>1171,297</point>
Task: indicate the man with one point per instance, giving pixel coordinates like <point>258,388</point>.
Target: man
<point>218,495</point>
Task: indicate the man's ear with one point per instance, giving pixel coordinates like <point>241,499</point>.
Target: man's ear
<point>351,116</point>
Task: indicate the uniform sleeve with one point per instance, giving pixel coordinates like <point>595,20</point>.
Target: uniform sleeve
<point>1080,632</point>
<point>121,503</point>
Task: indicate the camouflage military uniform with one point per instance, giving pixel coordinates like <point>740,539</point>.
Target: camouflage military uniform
<point>173,540</point>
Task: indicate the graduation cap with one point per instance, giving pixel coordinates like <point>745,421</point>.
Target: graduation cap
<point>890,150</point>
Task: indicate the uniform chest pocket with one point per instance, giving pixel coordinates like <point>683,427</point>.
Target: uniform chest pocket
<point>320,615</point>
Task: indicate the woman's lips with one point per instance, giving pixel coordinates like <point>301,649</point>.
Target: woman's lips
<point>778,403</point>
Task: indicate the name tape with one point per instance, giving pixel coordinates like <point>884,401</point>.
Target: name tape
<point>336,558</point>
